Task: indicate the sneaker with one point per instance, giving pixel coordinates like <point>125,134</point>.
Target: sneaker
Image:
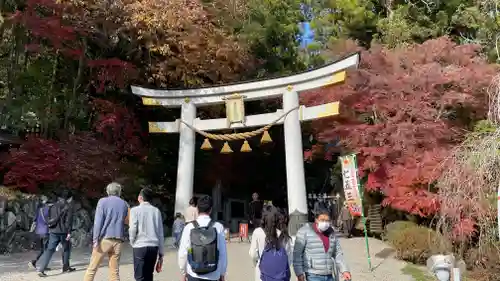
<point>32,264</point>
<point>69,269</point>
<point>42,274</point>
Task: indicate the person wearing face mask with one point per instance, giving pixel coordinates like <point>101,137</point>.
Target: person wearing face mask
<point>317,251</point>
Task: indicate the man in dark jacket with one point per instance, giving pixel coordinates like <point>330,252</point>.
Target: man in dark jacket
<point>256,207</point>
<point>60,222</point>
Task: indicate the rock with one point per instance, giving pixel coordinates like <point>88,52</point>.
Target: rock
<point>16,217</point>
<point>82,220</point>
<point>81,238</point>
<point>8,225</point>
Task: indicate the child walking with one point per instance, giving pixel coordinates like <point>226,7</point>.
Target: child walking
<point>177,228</point>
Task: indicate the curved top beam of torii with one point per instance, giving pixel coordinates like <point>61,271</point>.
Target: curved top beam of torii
<point>252,90</point>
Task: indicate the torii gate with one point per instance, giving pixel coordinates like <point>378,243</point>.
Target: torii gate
<point>288,87</point>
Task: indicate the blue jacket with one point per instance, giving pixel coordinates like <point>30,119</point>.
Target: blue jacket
<point>110,216</point>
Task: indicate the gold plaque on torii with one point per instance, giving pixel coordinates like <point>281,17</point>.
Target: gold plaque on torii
<point>235,109</point>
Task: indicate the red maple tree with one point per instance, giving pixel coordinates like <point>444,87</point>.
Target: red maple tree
<point>36,161</point>
<point>44,20</point>
<point>84,160</point>
<point>57,27</point>
<point>119,126</point>
<point>89,163</point>
<point>111,72</point>
<point>402,112</point>
<point>81,162</point>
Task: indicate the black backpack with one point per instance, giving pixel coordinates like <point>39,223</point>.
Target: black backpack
<point>203,255</point>
<point>56,211</point>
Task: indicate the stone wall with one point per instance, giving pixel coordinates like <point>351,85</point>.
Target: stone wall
<point>16,216</point>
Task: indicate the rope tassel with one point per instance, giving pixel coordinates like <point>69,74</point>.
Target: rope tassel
<point>266,138</point>
<point>246,147</point>
<point>226,149</point>
<point>206,145</point>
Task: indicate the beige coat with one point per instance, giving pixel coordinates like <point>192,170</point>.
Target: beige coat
<point>191,214</point>
<point>345,214</point>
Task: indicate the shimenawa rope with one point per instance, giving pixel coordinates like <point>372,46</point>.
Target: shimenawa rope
<point>239,136</point>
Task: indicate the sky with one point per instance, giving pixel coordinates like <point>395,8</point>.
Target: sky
<point>306,34</point>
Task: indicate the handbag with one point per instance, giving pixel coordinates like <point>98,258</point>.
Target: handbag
<point>33,224</point>
<point>33,227</point>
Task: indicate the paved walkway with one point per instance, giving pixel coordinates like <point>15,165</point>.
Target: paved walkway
<point>240,268</point>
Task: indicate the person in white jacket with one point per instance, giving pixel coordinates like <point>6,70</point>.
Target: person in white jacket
<point>274,223</point>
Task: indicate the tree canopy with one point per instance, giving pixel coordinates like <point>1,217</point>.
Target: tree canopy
<point>66,68</point>
<point>403,112</point>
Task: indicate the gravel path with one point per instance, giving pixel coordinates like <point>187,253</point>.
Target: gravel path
<point>14,268</point>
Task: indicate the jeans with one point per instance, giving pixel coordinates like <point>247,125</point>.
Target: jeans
<point>54,240</point>
<point>110,248</point>
<point>144,263</point>
<point>44,242</point>
<point>316,277</point>
<point>177,238</point>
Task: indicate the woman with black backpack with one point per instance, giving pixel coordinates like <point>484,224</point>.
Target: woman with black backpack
<point>271,247</point>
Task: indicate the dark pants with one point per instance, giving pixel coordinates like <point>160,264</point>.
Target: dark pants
<point>43,243</point>
<point>190,278</point>
<point>348,227</point>
<point>54,240</point>
<point>177,239</point>
<point>144,263</point>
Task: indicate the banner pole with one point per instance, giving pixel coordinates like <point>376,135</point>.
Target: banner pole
<point>363,218</point>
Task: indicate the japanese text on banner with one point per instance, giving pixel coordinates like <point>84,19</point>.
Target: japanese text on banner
<point>350,182</point>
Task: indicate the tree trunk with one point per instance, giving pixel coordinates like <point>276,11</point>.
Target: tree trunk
<point>13,89</point>
<point>50,98</point>
<point>76,85</point>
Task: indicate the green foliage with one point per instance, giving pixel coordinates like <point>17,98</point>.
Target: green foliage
<point>410,23</point>
<point>416,243</point>
<point>392,229</point>
<point>480,25</point>
<point>417,273</point>
<point>342,19</point>
<point>394,23</point>
<point>271,31</point>
<point>484,126</point>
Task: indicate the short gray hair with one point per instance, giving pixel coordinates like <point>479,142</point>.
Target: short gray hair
<point>114,188</point>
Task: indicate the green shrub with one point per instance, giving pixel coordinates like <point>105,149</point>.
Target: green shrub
<point>417,243</point>
<point>395,227</point>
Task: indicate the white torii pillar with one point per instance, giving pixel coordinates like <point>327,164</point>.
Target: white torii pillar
<point>288,87</point>
<point>185,162</point>
<point>294,157</point>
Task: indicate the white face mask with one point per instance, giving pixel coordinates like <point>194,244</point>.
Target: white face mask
<point>323,225</point>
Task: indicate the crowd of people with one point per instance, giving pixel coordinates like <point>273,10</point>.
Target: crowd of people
<point>314,255</point>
